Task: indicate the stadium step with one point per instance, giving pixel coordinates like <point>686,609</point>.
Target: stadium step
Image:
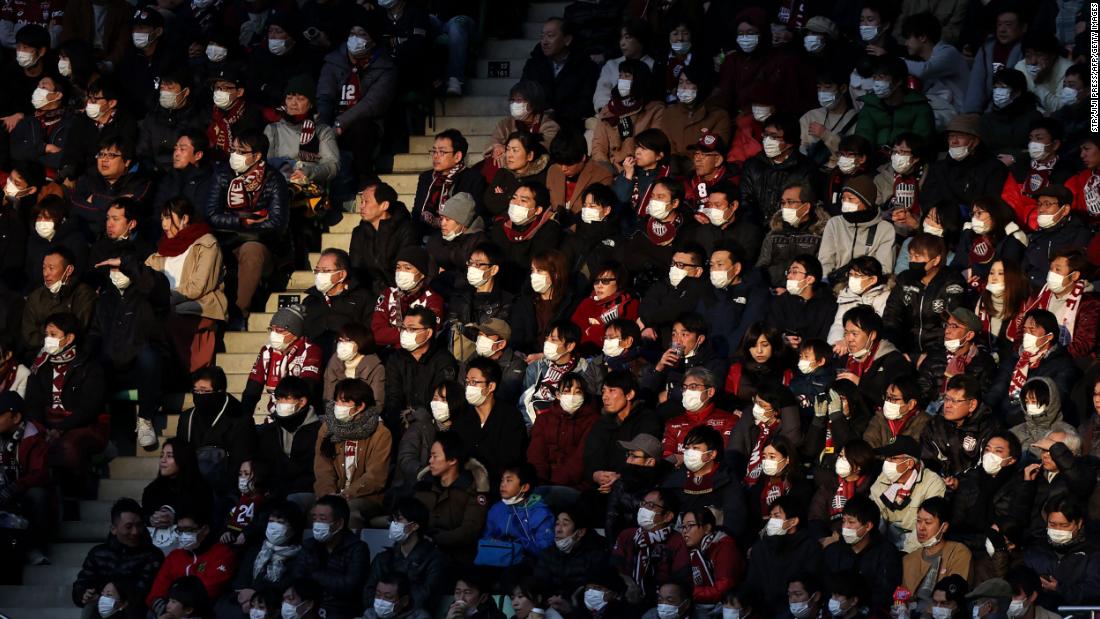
<point>473,106</point>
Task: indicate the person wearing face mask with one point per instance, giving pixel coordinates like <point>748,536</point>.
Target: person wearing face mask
<point>556,450</point>
<point>667,300</point>
<point>986,496</point>
<point>412,555</point>
<point>252,483</point>
<point>531,227</point>
<point>355,357</point>
<point>891,107</point>
<point>1040,355</point>
<point>44,136</point>
<point>472,599</point>
<point>621,349</point>
<point>449,248</point>
<point>288,445</point>
<point>520,519</point>
<point>1005,125</point>
<point>717,563</point>
<point>866,285</point>
<point>935,557</point>
<point>217,421</point>
<point>1025,587</point>
<point>302,148</point>
<point>1061,473</point>
<point>414,370</point>
<point>948,599</point>
<point>857,231</point>
<point>492,341</point>
<point>448,404</point>
<point>871,361</point>
<point>900,413</point>
<point>481,299</point>
<point>231,113</point>
<point>969,172</point>
<point>1071,299</point>
<point>779,163</point>
<point>863,550</point>
<point>21,193</point>
<point>675,600</point>
<point>991,234</point>
<point>722,217</point>
<point>902,486</point>
<point>197,547</point>
<point>853,156</point>
<point>900,182</point>
<point>774,412</point>
<point>795,229</point>
<point>1042,407</point>
<point>634,44</point>
<point>527,113</point>
<point>358,84</point>
<point>824,126</point>
<point>577,551</point>
<point>693,115</point>
<point>826,49</point>
<point>559,357</point>
<point>634,185</point>
<point>913,312</point>
<point>335,300</point>
<point>1066,559</point>
<point>681,30</point>
<point>806,308</point>
<point>32,45</point>
<point>59,292</point>
<point>653,552</point>
<point>267,565</point>
<point>411,290</point>
<point>735,299</point>
<point>495,433</point>
<point>282,57</point>
<point>306,597</point>
<point>783,563</point>
<point>698,407</point>
<point>1057,228</point>
<point>287,353</point>
<point>806,597</point>
<point>151,56</point>
<point>608,301</point>
<point>107,111</point>
<point>708,161</point>
<point>1073,114</point>
<point>704,482</point>
<point>964,354</point>
<point>1044,65</point>
<point>350,428</point>
<point>336,559</point>
<point>120,236</point>
<point>834,440</point>
<point>175,113</point>
<point>389,599</point>
<point>755,56</point>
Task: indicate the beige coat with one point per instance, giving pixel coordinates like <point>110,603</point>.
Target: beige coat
<point>593,172</point>
<point>368,478</point>
<point>201,279</point>
<point>684,125</point>
<point>607,145</point>
<point>902,523</point>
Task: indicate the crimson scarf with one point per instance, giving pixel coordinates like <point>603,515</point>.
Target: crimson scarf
<point>1039,175</point>
<point>443,183</point>
<point>1068,319</point>
<point>220,132</point>
<point>244,191</point>
<point>641,201</point>
<point>662,233</point>
<point>516,234</point>
<point>644,542</point>
<point>612,308</point>
<point>619,106</point>
<point>696,192</point>
<point>756,456</point>
<point>774,489</point>
<point>309,147</point>
<point>1092,193</point>
<point>172,247</point>
<point>844,491</point>
<point>858,367</point>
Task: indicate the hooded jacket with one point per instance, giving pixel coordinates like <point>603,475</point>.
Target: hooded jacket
<point>880,123</point>
<point>933,372</point>
<point>1035,427</point>
<point>875,296</point>
<point>456,513</point>
<point>784,241</point>
<point>531,525</point>
<point>843,240</point>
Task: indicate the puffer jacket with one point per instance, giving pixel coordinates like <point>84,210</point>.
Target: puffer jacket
<point>933,372</point>
<point>1035,427</point>
<point>557,444</point>
<point>273,198</point>
<point>374,251</point>
<point>1041,245</point>
<point>875,296</point>
<point>377,85</point>
<point>775,558</point>
<point>113,561</point>
<point>982,499</point>
<point>913,316</point>
<point>1005,130</point>
<point>901,524</point>
<point>979,175</point>
<point>391,307</point>
<point>762,182</point>
<point>193,183</point>
<point>531,525</point>
<point>784,241</point>
<point>468,306</point>
<point>1076,567</point>
<point>341,572</point>
<point>951,449</point>
<point>426,568</point>
<point>292,470</point>
<point>880,124</point>
<point>286,137</point>
<point>879,563</point>
<point>326,315</point>
<point>562,573</point>
<point>93,195</point>
<point>456,512</point>
<point>807,318</point>
<point>161,128</point>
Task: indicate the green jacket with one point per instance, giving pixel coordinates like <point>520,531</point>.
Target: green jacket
<point>881,125</point>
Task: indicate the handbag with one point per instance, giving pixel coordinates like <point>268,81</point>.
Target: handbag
<point>493,552</point>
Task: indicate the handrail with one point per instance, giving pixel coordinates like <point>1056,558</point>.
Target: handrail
<point>1068,610</point>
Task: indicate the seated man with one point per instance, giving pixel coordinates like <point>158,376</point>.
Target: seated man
<point>665,300</point>
<point>67,394</point>
<point>120,235</point>
<point>335,558</point>
<point>961,356</point>
<point>288,445</point>
<point>25,486</point>
<point>689,348</point>
<point>520,517</point>
<point>96,190</point>
<point>200,554</point>
<point>177,112</point>
<point>287,353</point>
<point>411,291</point>
<point>1068,295</point>
<point>190,174</point>
<point>415,370</point>
<point>807,309</point>
<point>473,598</point>
<point>653,552</point>
<point>247,207</point>
<point>794,229</point>
<point>492,342</point>
<point>335,299</point>
<point>785,552</point>
<point>412,555</point>
<point>128,555</point>
<point>217,420</point>
<point>697,406</point>
<point>448,176</point>
<point>103,116</point>
<point>621,350</point>
<point>737,297</point>
<point>60,292</point>
<point>572,171</point>
<point>900,489</point>
<point>1040,355</point>
<point>390,597</point>
<point>384,230</point>
<point>231,115</point>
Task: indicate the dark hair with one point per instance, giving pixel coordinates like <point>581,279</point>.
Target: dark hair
<point>343,260</point>
<point>115,139</point>
<point>736,252</point>
<point>491,251</point>
<point>810,581</point>
<point>556,264</point>
<point>760,329</point>
<point>32,172</point>
<point>1052,126</point>
<point>383,192</point>
<point>199,141</point>
<point>398,580</point>
<point>522,470</point>
<point>339,505</point>
<point>1067,505</point>
<point>868,266</point>
<point>787,123</point>
<point>1076,259</point>
<point>637,29</point>
<point>360,334</point>
<point>62,252</point>
<point>190,592</point>
<point>293,387</point>
<point>601,194</point>
<point>708,436</point>
<point>788,450</point>
<point>865,318</point>
<point>909,386</point>
<point>938,507</point>
<point>125,505</point>
<point>255,140</point>
<point>532,92</point>
<point>696,251</point>
<point>1036,388</point>
<point>108,87</point>
<point>67,323</point>
<point>1041,41</point>
<point>538,191</point>
<point>811,264</point>
<point>775,394</point>
<point>188,464</point>
<point>622,380</point>
<point>892,66</point>
<point>703,76</point>
<point>792,507</point>
<point>354,390</point>
<point>922,24</point>
<point>454,394</point>
<point>863,509</point>
<point>727,189</point>
<point>458,141</point>
<point>968,384</point>
<point>693,323</point>
<point>674,187</point>
<point>529,141</point>
<point>858,144</point>
<point>1044,319</point>
<point>931,245</point>
<point>805,190</point>
<point>916,143</point>
<point>411,509</point>
<point>454,448</point>
<point>819,348</point>
<point>1023,579</point>
<point>1014,446</point>
<point>33,35</point>
<point>655,140</point>
<point>641,79</point>
<point>213,373</point>
<point>489,369</point>
<point>670,498</point>
<point>425,316</point>
<point>859,453</point>
<point>627,328</point>
<point>179,206</point>
<point>568,331</point>
<point>568,148</point>
<point>308,589</point>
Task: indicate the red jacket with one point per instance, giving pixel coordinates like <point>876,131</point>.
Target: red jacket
<point>302,359</point>
<point>557,444</point>
<point>390,310</point>
<point>1083,338</point>
<point>591,316</point>
<point>1076,184</point>
<point>678,427</point>
<point>717,569</point>
<point>31,457</point>
<point>215,567</point>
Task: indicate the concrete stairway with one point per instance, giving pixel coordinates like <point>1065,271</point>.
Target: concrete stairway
<point>46,591</point>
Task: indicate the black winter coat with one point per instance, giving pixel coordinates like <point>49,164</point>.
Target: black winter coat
<point>294,473</point>
<point>563,573</point>
<point>501,442</point>
<point>807,319</point>
<point>340,572</point>
<point>468,180</point>
<point>409,382</point>
<point>725,496</point>
<point>78,158</point>
<point>374,252</point>
<point>1075,478</point>
<point>932,372</point>
<point>951,450</point>
<point>627,493</point>
<point>468,306</point>
<point>84,394</point>
<point>126,321</point>
<point>602,451</point>
<point>913,316</point>
<point>324,321</point>
<point>93,195</point>
<point>1041,245</point>
<point>229,222</point>
<point>961,182</point>
<point>1057,366</point>
<point>569,92</point>
<point>773,560</point>
<point>662,304</point>
<point>29,139</point>
<point>879,564</point>
<point>1075,566</point>
<point>517,254</point>
<point>178,494</point>
<point>983,499</point>
<point>232,430</point>
<point>426,566</point>
<point>161,128</point>
<point>113,561</point>
<point>762,183</point>
<point>192,183</point>
<point>67,234</point>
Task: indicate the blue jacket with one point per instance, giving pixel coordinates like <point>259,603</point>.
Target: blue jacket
<point>730,311</point>
<point>530,524</point>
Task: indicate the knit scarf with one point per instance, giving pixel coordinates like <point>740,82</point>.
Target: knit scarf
<point>844,490</point>
<point>1024,365</point>
<point>443,183</point>
<point>517,234</point>
<point>244,191</point>
<point>1068,319</point>
<point>172,247</point>
<point>619,112</point>
<point>278,363</point>
<point>957,364</point>
<point>661,233</point>
<point>755,467</point>
<point>359,427</point>
<point>644,542</point>
<point>59,366</point>
<point>612,307</point>
<point>859,366</point>
<point>220,132</point>
<point>49,118</point>
<point>1039,175</point>
<point>309,147</point>
<point>897,496</point>
<point>699,188</point>
<point>641,201</point>
<point>272,561</point>
<point>773,490</point>
<point>1092,193</point>
<point>702,570</point>
<point>674,67</point>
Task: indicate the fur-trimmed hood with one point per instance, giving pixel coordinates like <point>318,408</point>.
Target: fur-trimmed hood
<point>477,472</point>
<point>821,217</point>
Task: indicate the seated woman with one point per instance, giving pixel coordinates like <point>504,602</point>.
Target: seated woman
<point>630,111</point>
<point>549,298</point>
<point>991,234</point>
<point>774,412</point>
<point>350,429</point>
<point>530,595</point>
<point>178,484</point>
<point>303,148</point>
<point>253,481</point>
<point>609,300</point>
<point>854,472</point>
<point>52,227</point>
<point>556,450</point>
<point>765,359</point>
<point>527,112</point>
<point>42,137</point>
<point>189,256</point>
<point>525,159</point>
<point>780,475</point>
<point>452,487</point>
<point>266,565</point>
<point>355,358</point>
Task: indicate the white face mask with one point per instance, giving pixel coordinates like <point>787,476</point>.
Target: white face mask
<point>518,214</point>
<point>398,532</point>
<point>719,279</point>
<point>342,412</point>
<point>40,98</point>
<point>646,517</point>
<point>551,351</point>
<point>1068,96</point>
<point>932,229</point>
<point>216,53</point>
<point>855,284</point>
<point>790,215</point>
<point>25,59</point>
<point>846,164</point>
<point>1045,220</point>
<point>814,43</point>
<point>285,409</point>
<point>795,286</point>
<point>958,153</point>
<point>686,95</point>
<point>680,47</point>
<point>10,190</point>
<point>476,277</point>
<point>658,209</point>
<point>989,548</point>
<point>843,467</point>
<point>323,282</point>
<point>93,110</point>
<point>612,347</point>
<point>624,87</point>
<point>1016,609</point>
<point>1032,69</point>
<point>475,395</point>
<point>106,606</point>
<point>1059,537</point>
<point>716,216</point>
<point>1030,343</point>
<point>836,609</point>
<point>851,536</point>
<point>276,46</point>
<point>1036,150</point>
<point>571,402</point>
<point>409,341</point>
<point>189,541</point>
<point>484,346</point>
<point>278,341</point>
<point>759,415</point>
<point>288,610</point>
<point>901,163</point>
<point>774,527</point>
<point>692,400</point>
<point>591,215</point>
<point>1034,410</point>
<point>731,613</point>
<point>995,288</point>
<point>939,612</point>
<point>991,463</point>
<point>346,351</point>
<point>594,600</point>
<point>384,609</point>
<point>868,33</point>
<point>890,471</point>
<point>405,280</point>
<point>51,345</point>
<point>169,100</point>
<point>238,162</point>
<point>64,67</point>
<point>952,345</point>
<point>772,147</point>
<point>1002,97</point>
<point>676,275</point>
<point>805,366</point>
<point>119,279</point>
<point>222,99</point>
<point>668,611</point>
<point>357,45</point>
<point>826,99</point>
<point>748,42</point>
<point>891,410</point>
<point>277,533</point>
<point>760,113</point>
<point>1055,282</point>
<point>932,541</point>
<point>771,467</point>
<point>322,531</point>
<point>693,460</point>
<point>244,484</point>
<point>540,282</point>
<point>566,544</point>
<point>141,40</point>
<point>518,109</point>
<point>441,412</point>
<point>881,88</point>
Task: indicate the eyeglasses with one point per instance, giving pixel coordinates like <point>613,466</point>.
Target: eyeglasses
<point>439,151</point>
<point>690,525</point>
<point>684,265</point>
<point>695,386</point>
<point>237,151</point>
<point>107,155</point>
<point>896,399</point>
<point>470,382</point>
<point>794,272</point>
<point>791,202</point>
<point>478,265</point>
<point>202,391</point>
<point>653,506</point>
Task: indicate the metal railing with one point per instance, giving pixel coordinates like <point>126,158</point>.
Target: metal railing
<point>1066,611</point>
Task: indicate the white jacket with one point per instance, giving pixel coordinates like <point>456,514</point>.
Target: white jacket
<point>846,300</point>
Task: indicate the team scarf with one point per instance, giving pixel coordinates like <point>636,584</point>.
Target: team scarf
<point>698,189</point>
<point>844,490</point>
<point>756,456</point>
<point>1069,315</point>
<point>662,233</point>
<point>619,112</point>
<point>220,132</point>
<point>517,234</point>
<point>859,366</point>
<point>244,190</point>
<point>774,489</point>
<point>441,187</point>
<point>1092,193</point>
<point>957,364</point>
<point>702,569</point>
<point>1024,365</point>
<point>907,193</point>
<point>641,201</point>
<point>644,542</point>
<point>1039,175</point>
<point>897,496</point>
<point>612,307</point>
<point>309,147</point>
